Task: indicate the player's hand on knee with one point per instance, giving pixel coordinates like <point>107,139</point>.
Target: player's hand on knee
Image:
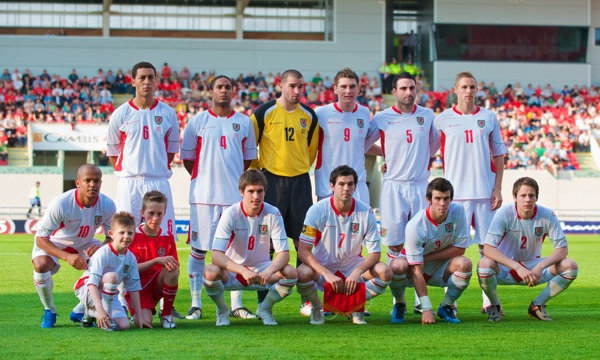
<point>102,319</point>
<point>76,261</point>
<point>336,283</point>
<point>251,277</point>
<point>91,250</point>
<point>427,317</point>
<point>168,262</point>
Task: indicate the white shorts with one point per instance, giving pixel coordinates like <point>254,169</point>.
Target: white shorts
<point>510,277</point>
<point>479,215</point>
<point>131,190</point>
<point>84,297</point>
<point>399,201</point>
<point>203,224</point>
<point>345,269</point>
<point>70,249</point>
<point>233,283</point>
<point>433,271</point>
<point>361,193</point>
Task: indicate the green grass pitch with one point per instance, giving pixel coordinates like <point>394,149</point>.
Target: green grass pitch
<point>573,334</point>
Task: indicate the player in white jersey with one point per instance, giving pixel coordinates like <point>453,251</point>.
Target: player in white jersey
<point>335,230</point>
<point>108,267</point>
<point>143,138</point>
<point>408,142</point>
<point>473,157</point>
<point>512,251</point>
<point>344,127</point>
<point>240,257</point>
<point>66,232</point>
<point>218,145</point>
<point>436,239</point>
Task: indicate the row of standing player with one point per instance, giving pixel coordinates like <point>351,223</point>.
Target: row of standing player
<point>143,139</point>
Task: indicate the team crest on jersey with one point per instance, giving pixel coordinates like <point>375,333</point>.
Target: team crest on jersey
<point>420,120</point>
<point>355,227</point>
<point>158,119</point>
<point>360,123</point>
<point>263,229</point>
<point>303,122</point>
<point>449,227</point>
<point>97,220</point>
<point>162,251</point>
<point>538,231</point>
<point>383,232</point>
<point>194,235</point>
<point>125,268</point>
<point>236,127</point>
<point>481,123</point>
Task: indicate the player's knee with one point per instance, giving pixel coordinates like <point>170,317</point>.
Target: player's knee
<point>305,273</point>
<point>383,272</point>
<point>486,262</point>
<point>110,278</point>
<point>42,264</point>
<point>399,266</point>
<point>568,264</point>
<point>463,264</point>
<point>212,272</point>
<point>289,272</point>
<point>171,276</point>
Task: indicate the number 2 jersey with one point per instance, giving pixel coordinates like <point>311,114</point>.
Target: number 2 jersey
<point>338,239</point>
<point>424,235</point>
<point>468,143</point>
<point>67,222</point>
<point>520,239</point>
<point>218,146</point>
<point>247,240</point>
<point>142,138</point>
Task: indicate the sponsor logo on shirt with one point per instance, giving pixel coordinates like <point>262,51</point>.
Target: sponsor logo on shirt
<point>162,251</point>
<point>538,231</point>
<point>360,123</point>
<point>449,227</point>
<point>420,120</point>
<point>236,127</point>
<point>355,227</point>
<point>264,229</point>
<point>303,122</point>
<point>481,123</point>
<point>97,220</point>
<point>158,119</point>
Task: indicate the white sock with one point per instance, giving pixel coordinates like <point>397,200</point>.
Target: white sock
<point>108,294</point>
<point>398,288</point>
<point>44,285</point>
<point>278,292</point>
<point>196,264</point>
<point>121,295</point>
<point>78,309</point>
<point>215,290</point>
<point>375,287</point>
<point>236,299</point>
<point>457,283</point>
<point>489,285</point>
<point>555,286</point>
<point>308,291</point>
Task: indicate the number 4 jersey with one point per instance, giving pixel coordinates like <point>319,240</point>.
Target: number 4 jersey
<point>69,223</point>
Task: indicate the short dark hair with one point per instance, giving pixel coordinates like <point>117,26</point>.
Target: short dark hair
<point>214,80</point>
<point>527,181</point>
<point>441,185</point>
<point>142,65</point>
<point>342,170</point>
<point>291,72</point>
<point>154,196</point>
<point>252,177</point>
<point>403,75</point>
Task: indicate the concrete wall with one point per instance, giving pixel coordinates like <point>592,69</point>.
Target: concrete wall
<point>568,192</point>
<point>358,43</point>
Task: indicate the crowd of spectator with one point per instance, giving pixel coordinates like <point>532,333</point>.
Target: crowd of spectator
<point>542,128</point>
